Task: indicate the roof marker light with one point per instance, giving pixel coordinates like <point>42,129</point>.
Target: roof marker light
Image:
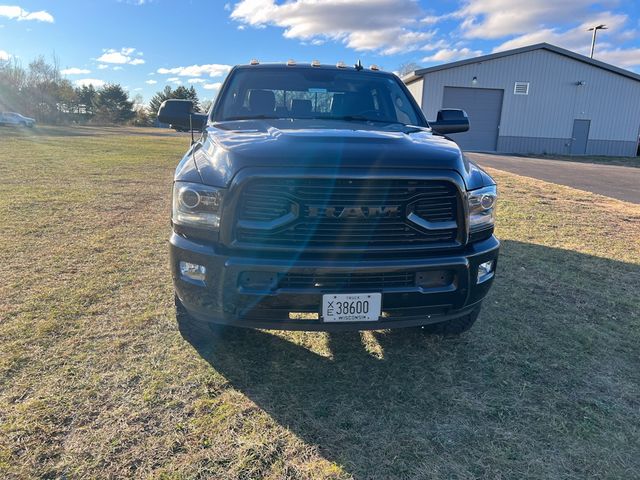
<point>291,63</point>
<point>341,64</point>
<point>315,63</point>
<point>254,62</point>
<point>375,68</point>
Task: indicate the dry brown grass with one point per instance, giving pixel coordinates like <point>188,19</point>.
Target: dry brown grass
<point>96,381</point>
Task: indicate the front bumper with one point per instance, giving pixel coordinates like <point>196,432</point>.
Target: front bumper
<point>222,299</point>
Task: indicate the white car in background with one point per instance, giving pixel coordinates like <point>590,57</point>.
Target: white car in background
<point>15,119</point>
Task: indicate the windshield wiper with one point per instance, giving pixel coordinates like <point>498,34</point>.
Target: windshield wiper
<point>358,118</point>
<point>254,117</point>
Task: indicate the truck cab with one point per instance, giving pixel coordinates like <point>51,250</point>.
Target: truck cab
<point>318,197</point>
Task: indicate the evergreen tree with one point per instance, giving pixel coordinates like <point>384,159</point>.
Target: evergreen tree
<point>86,99</point>
<point>188,94</point>
<point>113,104</point>
<point>158,98</point>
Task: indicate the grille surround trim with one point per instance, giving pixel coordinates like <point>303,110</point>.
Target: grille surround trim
<point>229,228</point>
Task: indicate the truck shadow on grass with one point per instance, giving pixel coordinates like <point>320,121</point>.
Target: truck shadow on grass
<point>544,385</point>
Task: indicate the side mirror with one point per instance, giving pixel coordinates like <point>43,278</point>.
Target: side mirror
<point>180,114</point>
<point>450,120</point>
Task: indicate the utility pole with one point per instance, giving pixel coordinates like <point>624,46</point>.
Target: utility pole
<point>593,37</point>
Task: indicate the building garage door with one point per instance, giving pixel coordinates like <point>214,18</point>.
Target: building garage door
<point>483,106</point>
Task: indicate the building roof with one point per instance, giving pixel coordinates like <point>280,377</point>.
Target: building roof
<point>411,77</point>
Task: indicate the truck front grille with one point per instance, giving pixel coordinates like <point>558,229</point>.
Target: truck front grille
<point>329,213</point>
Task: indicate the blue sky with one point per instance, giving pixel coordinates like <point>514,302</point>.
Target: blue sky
<point>146,44</point>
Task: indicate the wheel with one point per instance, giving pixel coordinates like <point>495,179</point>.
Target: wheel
<point>196,332</point>
<point>452,327</point>
<point>191,329</point>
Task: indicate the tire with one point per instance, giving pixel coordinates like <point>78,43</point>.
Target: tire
<point>192,330</point>
<point>196,332</point>
<point>456,326</point>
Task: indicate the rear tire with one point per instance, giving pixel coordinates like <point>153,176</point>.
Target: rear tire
<point>456,326</point>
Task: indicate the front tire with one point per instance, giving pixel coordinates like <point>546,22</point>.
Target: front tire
<point>456,326</point>
<point>191,329</point>
<point>194,331</point>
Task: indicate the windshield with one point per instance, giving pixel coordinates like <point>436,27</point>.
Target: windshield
<point>316,93</point>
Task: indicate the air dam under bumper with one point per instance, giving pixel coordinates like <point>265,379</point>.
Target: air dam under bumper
<point>264,292</point>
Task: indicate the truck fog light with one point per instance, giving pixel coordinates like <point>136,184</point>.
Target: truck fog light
<point>485,271</point>
<point>192,271</point>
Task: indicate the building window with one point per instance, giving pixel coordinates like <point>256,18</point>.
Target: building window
<point>521,88</point>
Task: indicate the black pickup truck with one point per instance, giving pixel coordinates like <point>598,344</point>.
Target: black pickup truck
<point>319,198</point>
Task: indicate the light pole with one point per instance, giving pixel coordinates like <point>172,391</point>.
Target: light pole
<point>593,37</point>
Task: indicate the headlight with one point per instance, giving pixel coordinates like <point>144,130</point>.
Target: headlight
<point>196,205</point>
<point>482,207</point>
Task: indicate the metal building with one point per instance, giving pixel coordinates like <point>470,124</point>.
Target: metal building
<point>536,99</point>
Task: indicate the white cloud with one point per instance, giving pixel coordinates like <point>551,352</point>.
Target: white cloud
<point>172,79</point>
<point>120,57</point>
<point>431,19</point>
<point>151,82</point>
<point>102,66</point>
<point>89,81</point>
<point>75,71</point>
<point>16,13</point>
<point>578,39</point>
<point>437,45</point>
<point>380,25</point>
<point>389,41</point>
<point>113,57</point>
<point>451,55</point>
<point>212,86</point>
<point>626,58</point>
<point>118,67</point>
<point>491,19</point>
<point>213,70</point>
<point>196,80</point>
<point>4,56</point>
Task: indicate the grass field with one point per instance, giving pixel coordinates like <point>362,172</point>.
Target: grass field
<point>97,382</point>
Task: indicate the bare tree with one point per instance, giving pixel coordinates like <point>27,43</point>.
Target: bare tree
<point>407,68</point>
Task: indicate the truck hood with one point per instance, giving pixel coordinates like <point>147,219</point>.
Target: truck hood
<point>229,147</point>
